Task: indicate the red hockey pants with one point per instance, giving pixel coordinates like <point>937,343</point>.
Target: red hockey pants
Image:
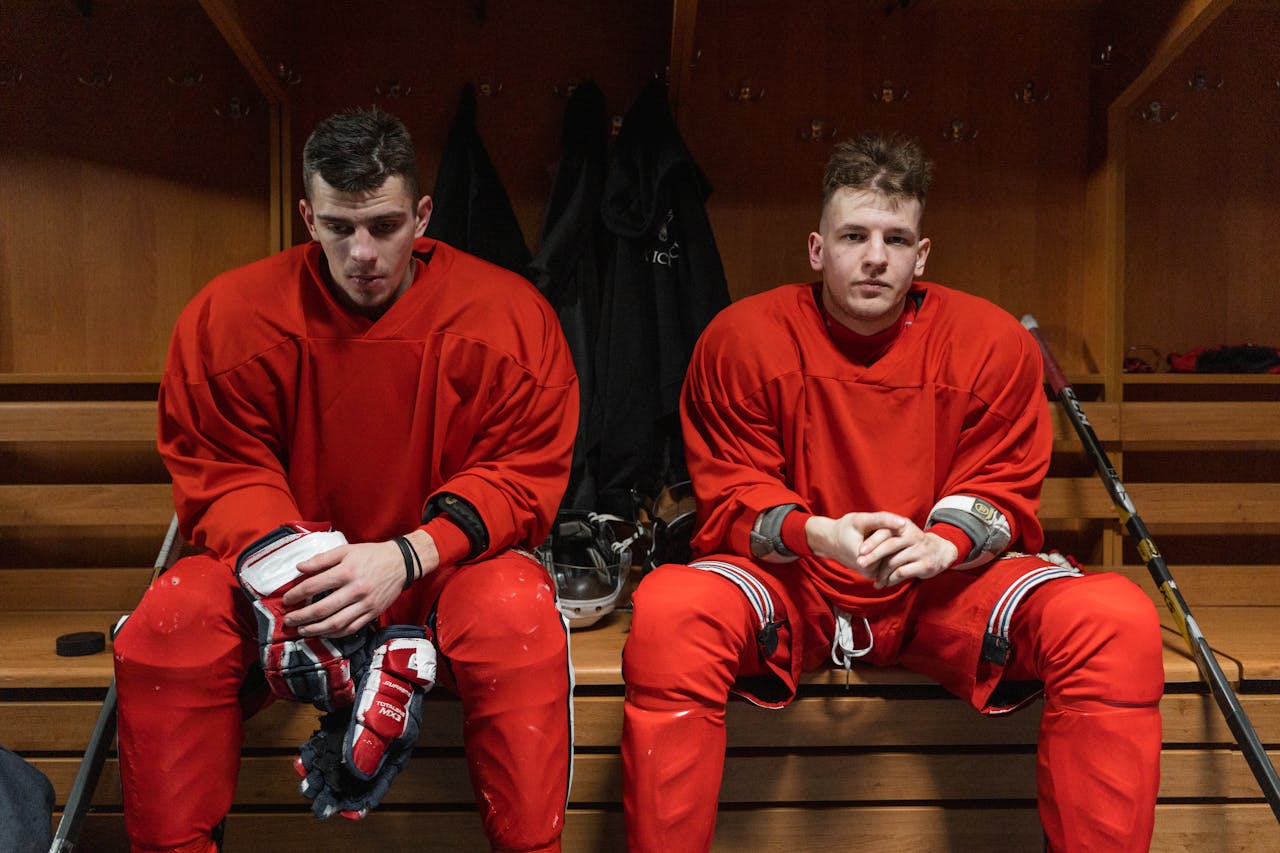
<point>183,655</point>
<point>1094,642</point>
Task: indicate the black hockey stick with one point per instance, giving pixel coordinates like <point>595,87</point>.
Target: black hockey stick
<point>104,731</point>
<point>1210,670</point>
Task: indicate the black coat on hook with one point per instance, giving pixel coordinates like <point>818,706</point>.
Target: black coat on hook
<point>570,265</point>
<point>665,283</point>
<point>472,211</point>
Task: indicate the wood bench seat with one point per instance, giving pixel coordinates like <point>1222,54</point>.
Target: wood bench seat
<point>1238,635</point>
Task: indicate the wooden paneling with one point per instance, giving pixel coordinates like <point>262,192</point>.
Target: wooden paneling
<point>119,200</point>
<point>1202,426</point>
<point>815,723</point>
<point>431,49</point>
<point>794,779</point>
<point>65,505</point>
<point>1238,828</point>
<point>1007,207</point>
<point>1201,193</point>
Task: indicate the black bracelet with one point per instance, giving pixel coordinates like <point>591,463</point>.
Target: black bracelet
<point>412,565</point>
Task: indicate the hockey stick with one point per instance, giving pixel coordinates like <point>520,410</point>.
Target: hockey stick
<point>1210,670</point>
<point>104,730</point>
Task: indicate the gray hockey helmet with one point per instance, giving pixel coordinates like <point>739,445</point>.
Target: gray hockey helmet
<point>588,556</point>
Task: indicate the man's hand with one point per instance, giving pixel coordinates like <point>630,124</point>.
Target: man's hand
<point>361,581</point>
<point>883,547</point>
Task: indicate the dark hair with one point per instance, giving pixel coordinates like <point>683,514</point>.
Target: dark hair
<point>357,150</point>
<point>892,165</point>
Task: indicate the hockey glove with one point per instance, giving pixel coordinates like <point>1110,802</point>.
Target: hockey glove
<point>318,670</point>
<point>348,765</point>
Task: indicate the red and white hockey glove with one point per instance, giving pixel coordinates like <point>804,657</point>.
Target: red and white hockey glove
<point>318,670</point>
<point>381,732</point>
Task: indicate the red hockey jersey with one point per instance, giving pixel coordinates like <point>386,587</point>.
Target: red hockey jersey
<point>277,404</point>
<point>776,413</point>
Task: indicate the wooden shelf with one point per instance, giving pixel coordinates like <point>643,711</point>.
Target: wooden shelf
<point>1201,379</point>
<point>79,378</point>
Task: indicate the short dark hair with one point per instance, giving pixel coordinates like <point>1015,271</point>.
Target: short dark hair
<point>890,164</point>
<point>357,150</point>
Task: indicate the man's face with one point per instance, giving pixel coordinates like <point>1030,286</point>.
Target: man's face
<point>367,239</point>
<point>868,249</point>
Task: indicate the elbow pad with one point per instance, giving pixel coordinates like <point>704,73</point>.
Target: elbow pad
<point>463,514</point>
<point>766,536</point>
<point>985,526</point>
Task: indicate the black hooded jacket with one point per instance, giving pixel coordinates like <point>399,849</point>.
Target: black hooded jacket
<point>570,266</point>
<point>471,209</point>
<point>664,284</point>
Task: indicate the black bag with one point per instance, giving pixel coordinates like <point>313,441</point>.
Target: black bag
<point>26,806</point>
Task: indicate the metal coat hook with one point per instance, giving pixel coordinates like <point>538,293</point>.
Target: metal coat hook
<point>98,79</point>
<point>189,80</point>
<point>286,75</point>
<point>1154,112</point>
<point>745,93</point>
<point>567,89</point>
<point>1102,59</point>
<point>234,110</point>
<point>10,75</point>
<point>1200,82</point>
<point>488,89</point>
<point>1027,93</point>
<point>888,93</point>
<point>819,130</point>
<point>959,131</point>
<point>394,89</point>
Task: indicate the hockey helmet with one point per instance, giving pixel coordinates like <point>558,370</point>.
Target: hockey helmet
<point>672,518</point>
<point>588,556</point>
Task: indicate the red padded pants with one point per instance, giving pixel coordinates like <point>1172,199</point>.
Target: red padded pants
<point>1093,641</point>
<point>183,655</point>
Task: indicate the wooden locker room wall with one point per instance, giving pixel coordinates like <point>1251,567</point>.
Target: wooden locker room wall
<point>413,58</point>
<point>123,187</point>
<point>120,200</point>
<point>1202,262</point>
<point>1006,212</point>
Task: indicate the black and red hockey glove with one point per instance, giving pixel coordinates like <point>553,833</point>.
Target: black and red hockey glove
<point>377,739</point>
<point>318,670</point>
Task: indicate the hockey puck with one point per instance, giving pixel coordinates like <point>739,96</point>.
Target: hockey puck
<point>81,643</point>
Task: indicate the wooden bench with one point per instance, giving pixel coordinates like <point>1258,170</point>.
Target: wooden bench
<point>889,760</point>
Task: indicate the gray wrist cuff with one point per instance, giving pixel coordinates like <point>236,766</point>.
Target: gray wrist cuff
<point>766,535</point>
<point>985,526</point>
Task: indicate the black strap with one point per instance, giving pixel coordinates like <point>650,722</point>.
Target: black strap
<point>412,563</point>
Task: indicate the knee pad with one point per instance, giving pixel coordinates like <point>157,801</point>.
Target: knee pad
<point>689,631</point>
<point>505,604</point>
<point>1102,640</point>
<point>190,619</point>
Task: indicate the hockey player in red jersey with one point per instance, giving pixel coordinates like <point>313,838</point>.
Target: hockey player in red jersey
<point>363,432</point>
<point>867,452</point>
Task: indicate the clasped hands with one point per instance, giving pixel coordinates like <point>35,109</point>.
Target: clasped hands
<point>883,547</point>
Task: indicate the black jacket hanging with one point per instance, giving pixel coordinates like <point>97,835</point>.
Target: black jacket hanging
<point>471,209</point>
<point>665,283</point>
<point>570,265</point>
